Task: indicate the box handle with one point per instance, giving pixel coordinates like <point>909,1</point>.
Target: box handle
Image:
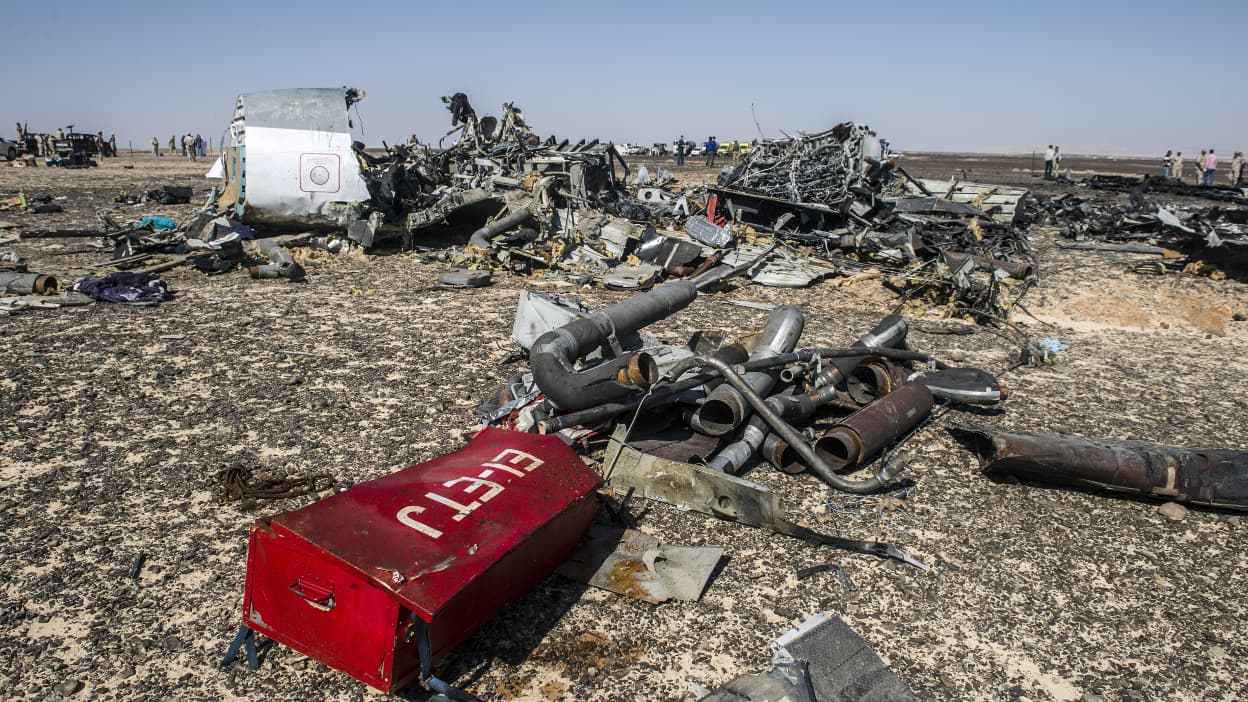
<point>316,595</point>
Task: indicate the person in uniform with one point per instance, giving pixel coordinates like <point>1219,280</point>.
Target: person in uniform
<point>681,147</point>
<point>1166,162</point>
<point>1177,171</point>
<point>155,146</point>
<point>1237,168</point>
<point>173,146</point>
<point>60,134</point>
<point>112,145</point>
<point>188,146</point>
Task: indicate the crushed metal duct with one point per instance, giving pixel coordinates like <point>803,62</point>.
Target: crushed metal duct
<point>1210,477</point>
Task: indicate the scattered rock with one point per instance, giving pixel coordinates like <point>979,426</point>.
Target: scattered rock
<point>126,672</point>
<point>67,687</point>
<point>1173,510</point>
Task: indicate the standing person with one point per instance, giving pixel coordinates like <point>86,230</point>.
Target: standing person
<point>1048,162</point>
<point>680,150</point>
<point>188,146</point>
<point>182,142</point>
<point>1211,168</point>
<point>60,134</point>
<point>99,143</point>
<point>203,144</point>
<point>1237,167</point>
<point>112,144</point>
<point>172,146</point>
<point>155,146</point>
<point>1165,164</point>
<point>1200,167</point>
<point>20,134</point>
<point>711,147</point>
<point>1057,161</point>
<point>1177,171</point>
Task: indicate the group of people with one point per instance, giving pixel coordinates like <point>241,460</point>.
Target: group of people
<point>710,148</point>
<point>193,146</point>
<point>45,144</point>
<point>1206,167</point>
<point>1052,162</point>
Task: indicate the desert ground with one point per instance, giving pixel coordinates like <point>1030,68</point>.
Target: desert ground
<point>116,420</point>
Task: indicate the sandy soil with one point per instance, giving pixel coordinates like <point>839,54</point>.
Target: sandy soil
<point>111,438</point>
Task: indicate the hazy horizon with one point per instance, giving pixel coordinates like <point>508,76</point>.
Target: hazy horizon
<point>1115,78</point>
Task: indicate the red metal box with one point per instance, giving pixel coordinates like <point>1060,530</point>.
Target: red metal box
<point>452,540</point>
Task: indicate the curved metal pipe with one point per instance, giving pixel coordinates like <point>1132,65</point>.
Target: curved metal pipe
<point>483,236</point>
<point>781,427</point>
<point>724,409</point>
<point>553,356</point>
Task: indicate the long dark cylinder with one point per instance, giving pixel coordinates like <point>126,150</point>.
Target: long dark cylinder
<point>866,432</point>
<point>1211,477</point>
<point>890,333</point>
<point>483,236</point>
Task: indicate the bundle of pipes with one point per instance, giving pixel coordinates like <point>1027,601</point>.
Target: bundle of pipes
<point>27,283</point>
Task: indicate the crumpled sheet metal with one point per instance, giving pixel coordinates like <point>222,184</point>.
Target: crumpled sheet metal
<point>635,564</point>
<point>822,660</point>
<point>709,491</point>
<point>1209,477</point>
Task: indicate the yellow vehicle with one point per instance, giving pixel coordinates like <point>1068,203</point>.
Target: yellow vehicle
<point>725,148</point>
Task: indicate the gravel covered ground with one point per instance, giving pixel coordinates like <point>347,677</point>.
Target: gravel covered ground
<point>111,438</point>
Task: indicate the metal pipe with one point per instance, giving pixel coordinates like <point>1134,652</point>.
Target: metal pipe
<point>281,263</point>
<point>553,356</point>
<point>658,396</point>
<point>1211,477</point>
<point>781,427</point>
<point>890,333</point>
<point>866,432</point>
<point>483,236</point>
<point>792,404</point>
<point>724,409</point>
<point>27,283</point>
<point>1011,268</point>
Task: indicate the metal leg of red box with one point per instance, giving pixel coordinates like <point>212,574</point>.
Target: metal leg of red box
<point>438,685</point>
<point>245,638</point>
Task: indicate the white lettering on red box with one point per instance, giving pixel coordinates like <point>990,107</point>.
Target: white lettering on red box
<point>510,461</point>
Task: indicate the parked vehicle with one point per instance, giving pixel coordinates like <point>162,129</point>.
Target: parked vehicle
<point>10,149</point>
<point>76,149</point>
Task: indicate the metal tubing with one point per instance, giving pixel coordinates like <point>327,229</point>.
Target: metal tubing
<point>890,333</point>
<point>657,397</point>
<point>483,236</point>
<point>791,404</point>
<point>724,409</point>
<point>781,427</point>
<point>1011,268</point>
<point>1210,477</point>
<point>553,356</point>
<point>866,432</point>
<point>27,283</point>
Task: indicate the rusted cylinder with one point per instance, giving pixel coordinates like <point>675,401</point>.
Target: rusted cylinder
<point>27,283</point>
<point>867,431</point>
<point>1211,477</point>
<point>872,379</point>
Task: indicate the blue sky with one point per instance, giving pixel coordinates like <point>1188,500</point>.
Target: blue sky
<point>1100,77</point>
